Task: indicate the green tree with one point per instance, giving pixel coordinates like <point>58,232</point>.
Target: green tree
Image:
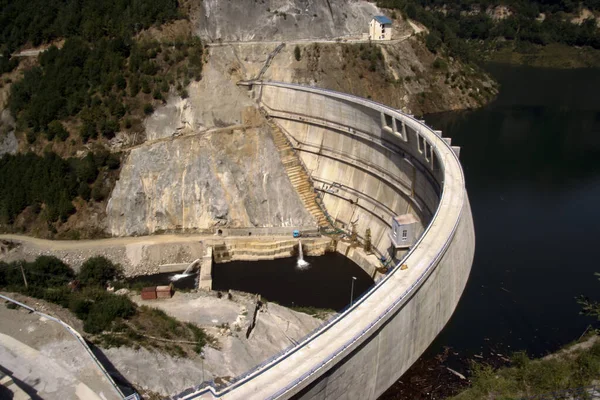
<point>84,191</point>
<point>56,129</point>
<point>297,53</point>
<point>88,131</point>
<point>48,271</point>
<point>98,271</point>
<point>433,42</point>
<point>98,192</point>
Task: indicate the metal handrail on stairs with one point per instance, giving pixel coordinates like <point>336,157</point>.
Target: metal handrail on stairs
<point>318,199</point>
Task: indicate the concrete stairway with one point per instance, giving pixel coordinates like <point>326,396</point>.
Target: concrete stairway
<point>298,176</point>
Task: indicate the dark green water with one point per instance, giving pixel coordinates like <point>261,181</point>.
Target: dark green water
<point>532,166</point>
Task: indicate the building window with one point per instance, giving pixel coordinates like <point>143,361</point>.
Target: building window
<point>404,235</point>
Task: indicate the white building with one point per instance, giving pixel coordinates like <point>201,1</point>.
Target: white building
<point>380,28</point>
<point>404,232</point>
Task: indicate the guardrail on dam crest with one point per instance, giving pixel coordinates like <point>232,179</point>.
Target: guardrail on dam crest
<point>383,163</point>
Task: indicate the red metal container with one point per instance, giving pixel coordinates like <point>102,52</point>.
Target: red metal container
<point>149,293</point>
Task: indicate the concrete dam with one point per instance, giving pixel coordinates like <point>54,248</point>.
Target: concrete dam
<point>369,163</point>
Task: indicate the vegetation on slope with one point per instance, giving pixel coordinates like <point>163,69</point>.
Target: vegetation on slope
<point>101,88</point>
<point>103,80</point>
<point>49,183</point>
<point>574,367</point>
<point>42,21</point>
<point>527,377</point>
<point>110,319</point>
<point>462,27</point>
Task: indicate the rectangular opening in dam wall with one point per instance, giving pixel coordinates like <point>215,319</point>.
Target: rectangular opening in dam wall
<point>400,130</point>
<point>427,151</point>
<point>389,121</point>
<point>394,126</point>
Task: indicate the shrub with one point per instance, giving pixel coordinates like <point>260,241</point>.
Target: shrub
<point>88,131</point>
<point>98,271</point>
<point>113,161</point>
<point>148,109</point>
<point>58,295</point>
<point>98,193</point>
<point>80,307</point>
<point>297,53</point>
<point>109,128</point>
<point>105,309</point>
<point>438,63</point>
<point>157,95</point>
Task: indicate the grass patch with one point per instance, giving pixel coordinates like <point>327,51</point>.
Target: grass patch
<point>320,313</point>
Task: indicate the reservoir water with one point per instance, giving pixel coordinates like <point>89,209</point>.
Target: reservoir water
<point>325,283</point>
<point>532,165</point>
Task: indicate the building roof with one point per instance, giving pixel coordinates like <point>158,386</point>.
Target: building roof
<point>406,219</point>
<point>382,19</point>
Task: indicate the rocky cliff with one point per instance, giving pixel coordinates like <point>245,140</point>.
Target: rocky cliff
<point>225,178</point>
<point>250,20</point>
<point>213,102</point>
<point>8,140</point>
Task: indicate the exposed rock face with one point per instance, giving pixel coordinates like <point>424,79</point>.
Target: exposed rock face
<point>215,101</point>
<point>233,178</point>
<point>249,20</point>
<point>8,141</point>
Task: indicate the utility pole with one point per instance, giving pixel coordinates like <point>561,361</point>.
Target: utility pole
<point>352,291</point>
<point>202,357</point>
<point>23,273</point>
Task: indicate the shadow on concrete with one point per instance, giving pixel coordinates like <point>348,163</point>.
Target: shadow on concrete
<point>5,393</point>
<point>125,386</point>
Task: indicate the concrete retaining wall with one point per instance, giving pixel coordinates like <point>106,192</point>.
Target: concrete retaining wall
<point>387,163</point>
<point>248,250</point>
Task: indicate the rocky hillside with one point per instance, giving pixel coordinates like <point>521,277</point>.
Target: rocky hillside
<point>231,177</point>
<point>402,74</point>
<point>254,20</point>
<point>205,157</point>
<point>191,174</point>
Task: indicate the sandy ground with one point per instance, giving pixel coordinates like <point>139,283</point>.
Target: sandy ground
<point>227,320</point>
<point>49,360</point>
<point>52,363</point>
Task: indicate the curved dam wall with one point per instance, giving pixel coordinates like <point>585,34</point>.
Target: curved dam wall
<point>367,165</point>
<point>370,163</point>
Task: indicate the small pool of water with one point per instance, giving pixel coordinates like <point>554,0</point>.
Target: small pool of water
<point>188,282</point>
<point>325,283</point>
